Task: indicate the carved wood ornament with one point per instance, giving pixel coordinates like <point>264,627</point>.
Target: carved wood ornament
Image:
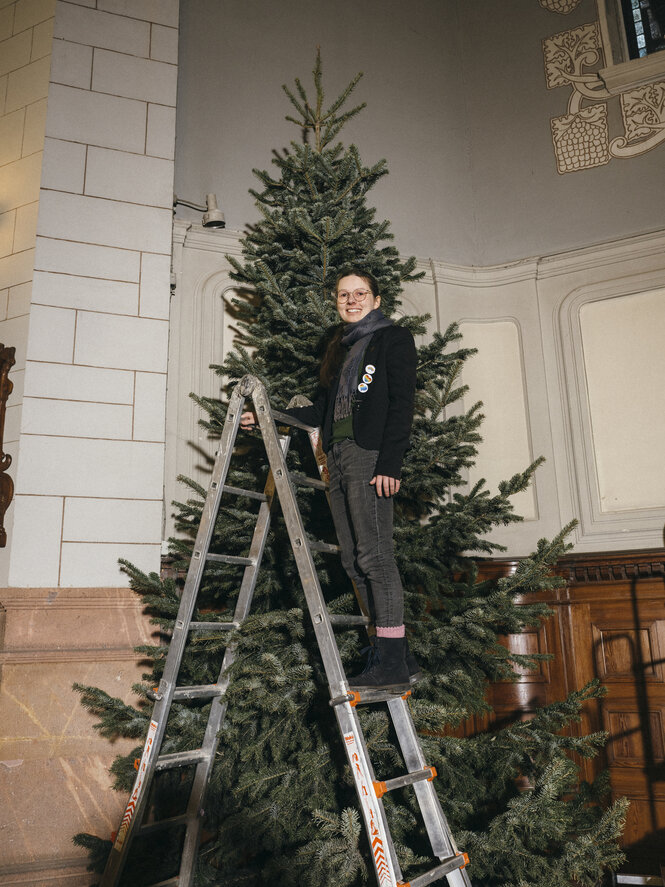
<point>7,361</point>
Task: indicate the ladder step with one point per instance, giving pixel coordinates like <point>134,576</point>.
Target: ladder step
<point>327,547</point>
<point>343,619</point>
<point>163,824</point>
<point>368,696</point>
<point>213,626</point>
<point>228,559</point>
<point>389,785</point>
<point>249,494</point>
<point>305,481</point>
<point>201,691</point>
<point>449,865</point>
<point>283,419</point>
<point>180,759</point>
<point>170,882</point>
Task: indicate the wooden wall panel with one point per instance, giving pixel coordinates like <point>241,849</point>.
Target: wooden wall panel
<point>609,623</point>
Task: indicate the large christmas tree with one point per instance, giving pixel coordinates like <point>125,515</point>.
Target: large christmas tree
<point>281,807</point>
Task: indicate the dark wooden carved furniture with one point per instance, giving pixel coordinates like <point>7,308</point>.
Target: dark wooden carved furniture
<point>609,623</point>
<point>7,361</point>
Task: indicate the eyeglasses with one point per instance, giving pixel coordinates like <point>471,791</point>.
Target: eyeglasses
<point>358,295</point>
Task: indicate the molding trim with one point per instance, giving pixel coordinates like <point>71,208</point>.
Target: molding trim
<point>589,567</point>
<point>49,867</point>
<point>478,277</point>
<point>71,654</point>
<point>601,255</point>
<point>632,74</point>
<point>612,566</point>
<point>214,240</point>
<point>13,598</point>
<point>595,255</point>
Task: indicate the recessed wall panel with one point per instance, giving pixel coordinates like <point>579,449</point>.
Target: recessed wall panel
<point>495,376</point>
<point>624,367</point>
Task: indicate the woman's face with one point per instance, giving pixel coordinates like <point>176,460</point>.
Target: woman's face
<point>355,307</point>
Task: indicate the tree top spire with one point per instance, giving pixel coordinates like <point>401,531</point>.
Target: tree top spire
<point>324,124</point>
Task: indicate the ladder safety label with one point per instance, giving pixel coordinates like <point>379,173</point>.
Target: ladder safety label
<point>138,785</point>
<point>377,835</point>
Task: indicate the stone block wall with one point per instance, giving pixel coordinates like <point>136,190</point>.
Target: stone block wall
<point>89,476</point>
<point>87,135</point>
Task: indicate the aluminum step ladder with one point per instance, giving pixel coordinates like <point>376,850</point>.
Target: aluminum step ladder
<point>280,484</point>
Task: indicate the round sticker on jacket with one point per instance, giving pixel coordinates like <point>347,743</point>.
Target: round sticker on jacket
<point>367,378</point>
<point>363,387</point>
<point>370,368</point>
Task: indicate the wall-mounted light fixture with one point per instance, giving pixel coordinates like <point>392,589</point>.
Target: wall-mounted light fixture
<point>212,216</point>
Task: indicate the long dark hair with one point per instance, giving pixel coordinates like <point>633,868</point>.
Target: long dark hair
<point>335,351</point>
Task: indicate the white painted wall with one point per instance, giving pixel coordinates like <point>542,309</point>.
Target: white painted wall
<point>89,485</point>
<point>560,338</point>
<point>624,367</point>
<point>457,103</point>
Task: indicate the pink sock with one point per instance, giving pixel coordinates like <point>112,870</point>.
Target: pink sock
<point>390,631</point>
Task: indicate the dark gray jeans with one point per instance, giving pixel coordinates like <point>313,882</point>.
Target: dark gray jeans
<point>364,525</point>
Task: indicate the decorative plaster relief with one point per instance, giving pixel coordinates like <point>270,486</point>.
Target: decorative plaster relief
<point>568,52</point>
<point>563,7</point>
<point>643,112</point>
<point>581,140</point>
<point>581,137</point>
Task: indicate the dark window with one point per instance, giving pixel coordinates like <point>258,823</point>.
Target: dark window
<point>644,21</point>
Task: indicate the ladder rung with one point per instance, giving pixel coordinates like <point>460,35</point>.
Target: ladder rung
<point>389,785</point>
<point>200,691</point>
<point>195,691</point>
<point>305,481</point>
<point>213,626</point>
<point>342,619</point>
<point>327,547</point>
<point>367,696</point>
<point>283,419</point>
<point>180,759</point>
<point>170,882</point>
<point>228,559</point>
<point>449,865</point>
<point>249,494</point>
<point>163,824</point>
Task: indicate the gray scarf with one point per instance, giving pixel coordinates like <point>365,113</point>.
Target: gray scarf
<point>356,337</point>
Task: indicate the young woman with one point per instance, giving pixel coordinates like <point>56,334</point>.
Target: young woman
<point>365,411</point>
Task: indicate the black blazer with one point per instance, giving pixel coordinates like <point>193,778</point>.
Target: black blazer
<point>382,416</point>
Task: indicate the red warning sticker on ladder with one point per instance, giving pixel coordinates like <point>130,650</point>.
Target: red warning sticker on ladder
<point>138,786</point>
<point>370,809</point>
